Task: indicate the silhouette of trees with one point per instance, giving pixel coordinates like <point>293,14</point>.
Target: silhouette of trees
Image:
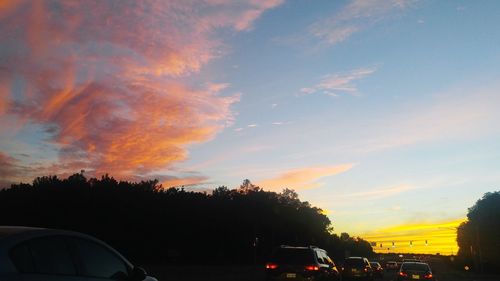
<point>150,223</point>
<point>479,237</point>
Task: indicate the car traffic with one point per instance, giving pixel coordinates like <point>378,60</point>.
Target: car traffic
<point>301,263</point>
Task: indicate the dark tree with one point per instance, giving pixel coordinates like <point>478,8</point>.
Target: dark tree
<point>156,225</point>
<point>479,237</point>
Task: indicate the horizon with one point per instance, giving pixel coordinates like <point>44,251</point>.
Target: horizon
<point>381,113</point>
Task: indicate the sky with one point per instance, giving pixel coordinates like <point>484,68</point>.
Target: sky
<point>384,113</point>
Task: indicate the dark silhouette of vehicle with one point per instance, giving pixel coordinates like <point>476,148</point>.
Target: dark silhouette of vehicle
<point>357,268</point>
<point>391,265</point>
<point>415,271</point>
<point>301,263</point>
<point>378,271</point>
<point>411,260</point>
<point>40,254</point>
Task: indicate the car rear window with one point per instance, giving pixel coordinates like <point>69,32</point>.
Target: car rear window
<point>415,266</point>
<point>21,257</point>
<point>354,262</point>
<point>293,256</point>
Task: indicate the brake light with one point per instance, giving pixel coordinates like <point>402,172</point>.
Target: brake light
<point>402,273</point>
<point>271,266</point>
<point>366,269</point>
<point>428,276</point>
<point>312,267</point>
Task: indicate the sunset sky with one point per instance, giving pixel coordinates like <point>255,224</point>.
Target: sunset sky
<point>384,113</point>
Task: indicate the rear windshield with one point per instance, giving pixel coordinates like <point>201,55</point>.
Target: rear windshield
<point>354,262</point>
<point>415,266</point>
<point>293,256</point>
<point>374,264</point>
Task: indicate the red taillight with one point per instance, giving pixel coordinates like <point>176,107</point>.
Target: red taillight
<point>312,267</point>
<point>366,269</point>
<point>428,276</point>
<point>271,266</point>
<point>402,273</point>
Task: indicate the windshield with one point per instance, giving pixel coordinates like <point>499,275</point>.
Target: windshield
<point>415,266</point>
<point>354,262</point>
<point>293,256</point>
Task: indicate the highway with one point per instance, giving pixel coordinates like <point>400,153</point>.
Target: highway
<point>443,272</point>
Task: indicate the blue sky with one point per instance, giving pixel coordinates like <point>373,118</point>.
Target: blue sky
<point>382,113</point>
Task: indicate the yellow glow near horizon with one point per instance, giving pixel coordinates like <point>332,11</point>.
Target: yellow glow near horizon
<point>441,238</point>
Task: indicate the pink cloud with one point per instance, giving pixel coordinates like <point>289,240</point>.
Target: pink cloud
<point>9,171</point>
<point>303,178</point>
<point>102,77</point>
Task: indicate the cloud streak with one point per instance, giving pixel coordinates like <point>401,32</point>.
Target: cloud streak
<point>103,78</point>
<point>354,17</point>
<point>339,83</point>
<point>303,178</point>
<point>379,193</point>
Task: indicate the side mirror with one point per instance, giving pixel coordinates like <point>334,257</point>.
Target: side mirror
<point>137,274</point>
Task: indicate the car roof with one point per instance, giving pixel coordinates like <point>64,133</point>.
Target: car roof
<point>301,248</point>
<point>413,262</point>
<point>354,258</point>
<point>6,231</point>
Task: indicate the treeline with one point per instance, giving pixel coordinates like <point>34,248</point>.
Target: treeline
<point>149,223</point>
<point>479,237</point>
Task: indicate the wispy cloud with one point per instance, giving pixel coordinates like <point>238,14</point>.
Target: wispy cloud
<point>452,115</point>
<point>356,16</point>
<point>339,83</point>
<point>379,193</point>
<point>9,171</point>
<point>303,178</point>
<point>105,86</point>
<point>173,181</point>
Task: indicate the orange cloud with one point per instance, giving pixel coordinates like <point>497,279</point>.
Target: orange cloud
<point>304,178</point>
<point>102,78</point>
<point>441,238</point>
<point>183,181</point>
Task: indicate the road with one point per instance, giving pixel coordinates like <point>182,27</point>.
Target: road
<point>443,272</point>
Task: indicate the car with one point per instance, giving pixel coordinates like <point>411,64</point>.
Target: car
<point>411,260</point>
<point>415,271</point>
<point>301,263</point>
<point>40,254</point>
<point>378,271</point>
<point>391,265</point>
<point>357,268</point>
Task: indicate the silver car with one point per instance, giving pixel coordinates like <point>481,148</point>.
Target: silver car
<point>38,254</point>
